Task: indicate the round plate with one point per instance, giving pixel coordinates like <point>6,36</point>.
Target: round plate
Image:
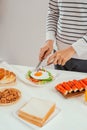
<point>8,95</point>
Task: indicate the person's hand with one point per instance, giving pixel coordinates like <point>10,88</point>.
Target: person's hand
<point>46,50</point>
<point>62,56</point>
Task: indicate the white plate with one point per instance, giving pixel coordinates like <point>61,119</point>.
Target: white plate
<point>22,72</point>
<point>56,112</point>
<point>6,82</point>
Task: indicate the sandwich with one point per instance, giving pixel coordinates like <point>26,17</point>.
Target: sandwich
<point>37,111</point>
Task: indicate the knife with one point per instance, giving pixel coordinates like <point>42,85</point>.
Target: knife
<point>37,67</point>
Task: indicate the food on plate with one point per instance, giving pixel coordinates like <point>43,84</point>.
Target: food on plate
<point>72,88</point>
<point>7,77</point>
<point>40,77</point>
<point>2,73</point>
<point>37,111</point>
<point>9,96</point>
<point>84,81</point>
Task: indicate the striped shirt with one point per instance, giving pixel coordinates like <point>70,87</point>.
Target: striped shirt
<point>67,23</point>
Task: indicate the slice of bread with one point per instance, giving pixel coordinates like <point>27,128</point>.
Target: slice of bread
<point>37,111</point>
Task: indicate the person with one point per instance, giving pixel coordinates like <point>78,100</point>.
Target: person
<point>66,34</point>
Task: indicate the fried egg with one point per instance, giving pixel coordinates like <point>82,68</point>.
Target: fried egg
<point>40,75</point>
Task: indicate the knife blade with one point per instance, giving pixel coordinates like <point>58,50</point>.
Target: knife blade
<point>38,65</point>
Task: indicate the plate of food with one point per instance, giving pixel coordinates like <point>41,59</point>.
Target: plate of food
<point>36,78</point>
<point>37,112</point>
<point>72,88</point>
<point>7,76</point>
<point>9,96</point>
<point>40,77</point>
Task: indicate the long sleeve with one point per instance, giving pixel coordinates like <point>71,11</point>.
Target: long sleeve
<point>67,23</point>
<point>80,46</point>
<point>52,19</point>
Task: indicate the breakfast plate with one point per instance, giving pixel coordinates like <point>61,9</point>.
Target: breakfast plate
<point>48,75</point>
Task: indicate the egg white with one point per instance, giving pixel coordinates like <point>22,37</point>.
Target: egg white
<point>44,75</point>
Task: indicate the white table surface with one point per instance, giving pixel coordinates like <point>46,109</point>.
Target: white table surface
<point>73,114</point>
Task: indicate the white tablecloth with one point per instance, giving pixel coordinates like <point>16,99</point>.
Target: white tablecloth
<point>73,114</point>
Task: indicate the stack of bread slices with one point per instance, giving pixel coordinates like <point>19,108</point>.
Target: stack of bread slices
<point>37,111</point>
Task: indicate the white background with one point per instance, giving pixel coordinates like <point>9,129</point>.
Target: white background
<point>22,28</point>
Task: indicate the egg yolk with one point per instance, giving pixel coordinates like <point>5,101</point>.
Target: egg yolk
<point>38,73</point>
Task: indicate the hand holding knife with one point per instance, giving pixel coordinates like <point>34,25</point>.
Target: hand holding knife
<point>45,51</point>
